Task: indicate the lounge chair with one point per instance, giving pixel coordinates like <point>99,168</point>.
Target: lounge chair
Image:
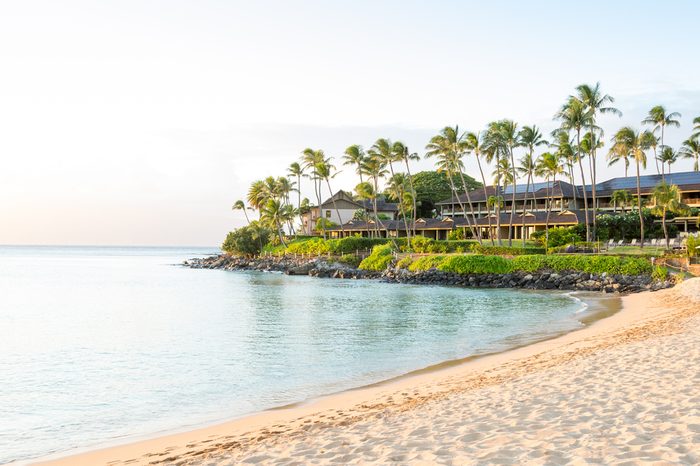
<point>653,242</point>
<point>611,243</point>
<point>621,242</point>
<point>633,242</point>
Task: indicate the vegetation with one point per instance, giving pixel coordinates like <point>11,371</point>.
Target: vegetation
<point>379,260</point>
<point>247,241</point>
<point>506,250</point>
<point>667,198</point>
<point>559,236</point>
<point>693,244</point>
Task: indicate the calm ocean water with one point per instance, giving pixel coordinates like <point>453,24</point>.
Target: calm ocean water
<point>101,345</point>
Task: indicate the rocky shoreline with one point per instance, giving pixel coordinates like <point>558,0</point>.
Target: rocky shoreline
<point>544,280</point>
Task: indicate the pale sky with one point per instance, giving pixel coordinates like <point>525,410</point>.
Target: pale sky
<point>141,122</point>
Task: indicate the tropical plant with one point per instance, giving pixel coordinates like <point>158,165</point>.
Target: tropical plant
<point>366,192</point>
<point>355,155</point>
<point>667,198</point>
<point>325,171</point>
<point>403,154</point>
<point>375,168</point>
<point>691,149</point>
<point>660,119</point>
<point>634,144</point>
<point>240,205</point>
<point>548,167</point>
<point>247,241</point>
<point>622,198</point>
<point>530,137</point>
<point>474,145</point>
<point>667,156</point>
<point>295,170</point>
<point>311,159</point>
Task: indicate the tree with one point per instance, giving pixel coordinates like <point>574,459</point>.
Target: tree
<point>257,195</point>
<point>691,149</point>
<point>696,127</point>
<point>449,146</point>
<point>365,191</point>
<point>667,198</point>
<point>621,198</point>
<point>384,150</point>
<point>247,241</point>
<point>667,157</point>
<point>295,170</point>
<point>310,159</point>
<point>634,144</point>
<point>575,116</point>
<point>595,102</point>
<point>660,119</point>
<point>549,166</point>
<point>325,169</point>
<point>619,154</point>
<point>530,137</point>
<point>475,146</point>
<point>402,153</point>
<point>240,205</point>
<point>375,168</point>
<point>432,187</point>
<point>355,155</point>
<point>273,215</point>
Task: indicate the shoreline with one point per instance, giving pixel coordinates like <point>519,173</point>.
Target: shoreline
<point>349,405</point>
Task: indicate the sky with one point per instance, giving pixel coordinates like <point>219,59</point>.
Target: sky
<point>141,122</point>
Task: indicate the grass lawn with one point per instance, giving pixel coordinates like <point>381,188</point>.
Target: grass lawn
<point>655,251</point>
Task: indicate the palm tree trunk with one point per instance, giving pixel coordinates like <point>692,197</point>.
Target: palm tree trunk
<point>335,206</point>
<point>571,177</point>
<point>413,194</point>
<point>639,207</point>
<point>475,233</point>
<point>663,223</point>
<point>512,202</point>
<point>497,208</point>
<point>549,209</point>
<point>583,182</point>
<point>459,201</point>
<point>593,178</point>
<point>374,207</point>
<point>486,198</point>
<point>527,190</point>
<point>403,213</point>
<point>246,215</point>
<point>299,200</point>
<point>317,190</point>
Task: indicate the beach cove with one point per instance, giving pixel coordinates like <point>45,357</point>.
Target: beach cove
<point>621,389</point>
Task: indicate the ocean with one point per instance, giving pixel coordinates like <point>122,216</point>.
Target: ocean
<point>103,345</point>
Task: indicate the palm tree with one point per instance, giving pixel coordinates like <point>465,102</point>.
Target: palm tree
<point>619,154</point>
<point>575,116</point>
<point>240,205</point>
<point>691,149</point>
<point>667,157</point>
<point>450,145</point>
<point>375,168</point>
<point>696,127</point>
<point>310,159</point>
<point>659,119</point>
<point>667,198</point>
<point>595,102</point>
<point>620,198</point>
<point>474,145</point>
<point>325,169</point>
<point>273,214</point>
<point>566,155</point>
<point>384,149</point>
<point>355,155</point>
<point>530,137</point>
<point>634,143</point>
<point>295,170</point>
<point>549,166</point>
<point>366,192</point>
<point>257,195</point>
<point>402,153</point>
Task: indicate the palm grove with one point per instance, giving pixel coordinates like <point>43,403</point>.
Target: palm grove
<point>572,150</point>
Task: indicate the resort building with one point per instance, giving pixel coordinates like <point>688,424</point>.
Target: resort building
<point>531,205</point>
<point>347,207</point>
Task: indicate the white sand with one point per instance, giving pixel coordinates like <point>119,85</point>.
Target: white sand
<point>624,391</point>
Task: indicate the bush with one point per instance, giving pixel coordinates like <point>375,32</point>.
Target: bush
<point>312,246</point>
<point>559,236</point>
<point>350,260</point>
<point>379,259</point>
<point>246,241</point>
<point>324,223</point>
<point>659,273</point>
<point>405,262</point>
<point>504,250</point>
<point>426,263</point>
<point>692,243</point>
<point>475,264</point>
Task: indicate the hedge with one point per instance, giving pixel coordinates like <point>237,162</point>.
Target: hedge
<point>379,259</point>
<point>481,264</point>
<point>506,250</point>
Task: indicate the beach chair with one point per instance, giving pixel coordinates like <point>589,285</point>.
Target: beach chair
<point>633,242</point>
<point>653,242</point>
<point>611,243</point>
<point>621,242</point>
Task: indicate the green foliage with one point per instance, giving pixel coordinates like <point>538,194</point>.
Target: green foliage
<point>425,263</point>
<point>692,243</point>
<point>421,244</point>
<point>311,246</point>
<point>659,273</point>
<point>475,264</point>
<point>405,262</point>
<point>322,223</point>
<point>246,241</point>
<point>559,236</point>
<point>626,226</point>
<point>504,250</point>
<point>379,259</point>
<point>480,264</point>
<point>350,260</point>
<point>457,234</point>
<point>432,187</point>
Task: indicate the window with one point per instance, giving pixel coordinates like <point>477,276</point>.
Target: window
<point>328,214</point>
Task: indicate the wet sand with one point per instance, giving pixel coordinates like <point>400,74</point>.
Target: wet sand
<point>624,389</point>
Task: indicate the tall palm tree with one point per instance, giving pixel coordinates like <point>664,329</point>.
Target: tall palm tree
<point>530,137</point>
<point>691,149</point>
<point>548,166</point>
<point>272,213</point>
<point>667,156</point>
<point>496,149</point>
<point>365,191</point>
<point>567,156</point>
<point>325,170</point>
<point>310,159</point>
<point>474,145</point>
<point>619,154</point>
<point>403,154</point>
<point>660,119</point>
<point>450,145</point>
<point>575,116</point>
<point>355,155</point>
<point>696,127</point>
<point>667,198</point>
<point>622,198</point>
<point>295,170</point>
<point>257,195</point>
<point>375,168</point>
<point>596,102</point>
<point>384,150</point>
<point>634,143</point>
<point>240,205</point>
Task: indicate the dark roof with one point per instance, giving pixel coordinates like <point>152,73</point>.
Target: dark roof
<point>684,180</point>
<point>382,204</point>
<point>540,218</point>
<point>536,191</point>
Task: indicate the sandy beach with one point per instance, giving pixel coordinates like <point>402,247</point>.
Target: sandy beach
<point>624,390</point>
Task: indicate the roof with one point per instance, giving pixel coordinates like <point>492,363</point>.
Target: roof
<point>684,180</point>
<point>534,191</point>
<point>382,204</point>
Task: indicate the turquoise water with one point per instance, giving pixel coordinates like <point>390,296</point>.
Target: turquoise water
<point>101,345</point>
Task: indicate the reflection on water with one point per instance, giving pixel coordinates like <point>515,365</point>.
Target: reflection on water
<point>102,344</point>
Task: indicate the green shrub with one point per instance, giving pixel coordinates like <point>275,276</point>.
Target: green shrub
<point>405,262</point>
<point>246,241</point>
<point>379,259</point>
<point>505,250</point>
<point>426,263</point>
<point>311,246</point>
<point>659,273</point>
<point>692,243</point>
<point>558,236</point>
<point>350,260</point>
<point>475,264</point>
